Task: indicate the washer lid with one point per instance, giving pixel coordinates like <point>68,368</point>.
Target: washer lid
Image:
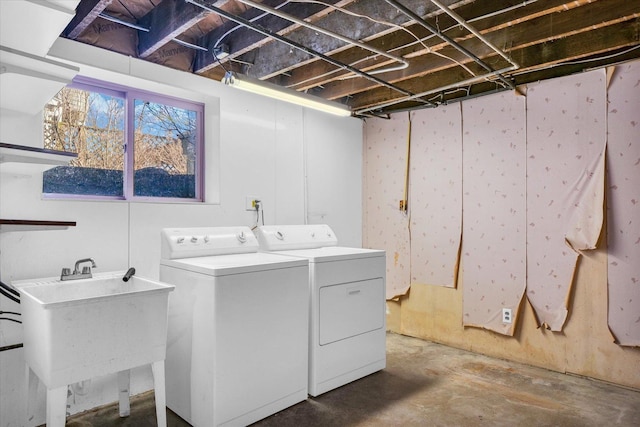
<point>286,237</point>
<point>223,265</point>
<point>334,253</point>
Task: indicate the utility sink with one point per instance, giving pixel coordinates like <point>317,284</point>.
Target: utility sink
<point>79,329</point>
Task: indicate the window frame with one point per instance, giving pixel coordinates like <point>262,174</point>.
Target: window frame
<point>130,95</point>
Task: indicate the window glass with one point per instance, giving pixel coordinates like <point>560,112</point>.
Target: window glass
<point>130,144</point>
<point>165,150</point>
<point>92,125</point>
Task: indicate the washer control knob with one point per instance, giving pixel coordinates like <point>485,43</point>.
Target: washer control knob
<point>241,237</point>
<point>279,235</point>
<point>180,240</point>
<point>206,239</point>
<point>194,239</point>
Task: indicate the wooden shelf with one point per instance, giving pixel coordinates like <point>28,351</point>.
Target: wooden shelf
<point>33,225</point>
<point>23,159</point>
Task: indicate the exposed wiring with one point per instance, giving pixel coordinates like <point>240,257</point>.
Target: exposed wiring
<point>388,24</point>
<point>262,15</point>
<point>10,319</point>
<point>259,213</point>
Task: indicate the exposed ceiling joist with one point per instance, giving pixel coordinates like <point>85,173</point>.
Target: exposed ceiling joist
<point>341,55</point>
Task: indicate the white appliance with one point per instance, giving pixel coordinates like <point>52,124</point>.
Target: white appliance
<point>347,329</point>
<point>238,326</point>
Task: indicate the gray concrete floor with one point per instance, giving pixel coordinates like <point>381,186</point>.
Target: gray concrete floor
<point>427,384</point>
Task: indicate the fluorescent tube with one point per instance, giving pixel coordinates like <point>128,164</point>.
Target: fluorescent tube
<point>284,94</point>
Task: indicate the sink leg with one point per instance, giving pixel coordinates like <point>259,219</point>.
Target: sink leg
<point>123,393</point>
<point>32,394</point>
<point>158,384</point>
<point>56,406</point>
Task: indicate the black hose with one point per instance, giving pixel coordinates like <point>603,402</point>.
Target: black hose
<point>10,319</point>
<point>8,295</point>
<point>10,289</point>
<point>11,312</point>
<point>130,272</point>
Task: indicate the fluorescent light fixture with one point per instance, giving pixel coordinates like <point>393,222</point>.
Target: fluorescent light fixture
<point>284,94</point>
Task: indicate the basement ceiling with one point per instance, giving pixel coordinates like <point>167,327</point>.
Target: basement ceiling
<point>376,56</point>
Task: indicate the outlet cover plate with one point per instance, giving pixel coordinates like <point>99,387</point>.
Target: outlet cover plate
<point>507,315</point>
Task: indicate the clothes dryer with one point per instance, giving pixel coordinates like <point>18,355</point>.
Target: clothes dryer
<point>347,328</point>
<point>238,326</point>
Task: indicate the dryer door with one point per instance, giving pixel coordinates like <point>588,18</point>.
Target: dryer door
<point>350,309</point>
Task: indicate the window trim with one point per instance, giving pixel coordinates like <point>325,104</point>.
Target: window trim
<point>129,95</point>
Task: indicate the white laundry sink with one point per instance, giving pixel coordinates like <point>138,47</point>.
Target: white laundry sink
<point>79,329</point>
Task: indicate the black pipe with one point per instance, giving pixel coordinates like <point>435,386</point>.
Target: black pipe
<point>10,319</point>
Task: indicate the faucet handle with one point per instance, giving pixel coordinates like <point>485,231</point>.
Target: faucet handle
<point>66,272</point>
<point>86,270</point>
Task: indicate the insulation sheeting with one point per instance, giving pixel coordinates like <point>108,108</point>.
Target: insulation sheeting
<point>494,210</point>
<point>566,137</point>
<point>385,225</point>
<point>436,195</point>
<point>623,199</point>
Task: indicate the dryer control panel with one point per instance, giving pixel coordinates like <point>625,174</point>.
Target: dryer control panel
<point>290,237</point>
<point>206,241</point>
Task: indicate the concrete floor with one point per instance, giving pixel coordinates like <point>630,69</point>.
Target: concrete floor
<point>427,384</point>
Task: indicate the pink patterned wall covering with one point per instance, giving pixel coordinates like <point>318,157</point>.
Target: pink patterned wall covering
<point>623,200</point>
<point>385,226</point>
<point>435,200</point>
<point>566,137</point>
<point>494,210</point>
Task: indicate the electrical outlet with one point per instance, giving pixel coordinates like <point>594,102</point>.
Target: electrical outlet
<point>250,203</point>
<point>506,315</point>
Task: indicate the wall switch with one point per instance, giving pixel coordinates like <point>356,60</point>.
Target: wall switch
<point>250,203</point>
<point>506,315</point>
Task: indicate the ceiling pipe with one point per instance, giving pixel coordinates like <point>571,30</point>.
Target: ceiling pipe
<point>411,14</point>
<point>309,51</point>
<point>473,31</point>
<point>431,92</point>
<point>403,62</point>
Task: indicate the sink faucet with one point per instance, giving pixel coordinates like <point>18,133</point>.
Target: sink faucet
<point>77,274</point>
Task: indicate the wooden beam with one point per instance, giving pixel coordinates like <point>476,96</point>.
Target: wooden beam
<point>404,43</point>
<point>86,12</point>
<point>536,60</point>
<point>165,22</point>
<point>243,40</point>
<point>532,32</point>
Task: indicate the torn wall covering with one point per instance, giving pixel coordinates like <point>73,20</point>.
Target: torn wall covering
<point>494,210</point>
<point>385,226</point>
<point>565,187</point>
<point>623,201</point>
<point>436,195</point>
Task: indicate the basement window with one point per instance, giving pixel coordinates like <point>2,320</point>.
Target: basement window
<point>131,144</point>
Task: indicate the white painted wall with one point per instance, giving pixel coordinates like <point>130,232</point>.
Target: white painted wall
<point>288,157</point>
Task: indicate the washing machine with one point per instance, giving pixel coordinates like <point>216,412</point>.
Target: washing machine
<point>347,328</point>
<point>238,326</point>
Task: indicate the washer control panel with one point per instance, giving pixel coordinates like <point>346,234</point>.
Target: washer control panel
<point>206,241</point>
